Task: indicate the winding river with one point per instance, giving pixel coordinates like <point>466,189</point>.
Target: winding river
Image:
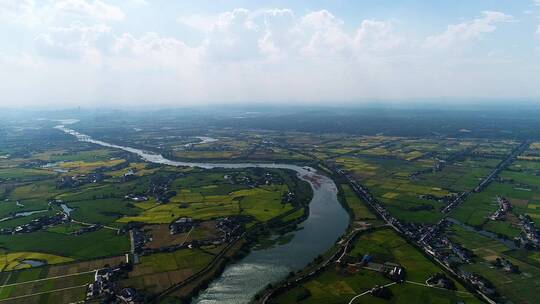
<point>240,281</point>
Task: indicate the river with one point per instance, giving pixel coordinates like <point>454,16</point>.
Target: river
<point>240,281</point>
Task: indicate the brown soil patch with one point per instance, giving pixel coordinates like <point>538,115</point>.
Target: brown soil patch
<point>519,202</point>
<point>161,236</point>
<point>84,266</point>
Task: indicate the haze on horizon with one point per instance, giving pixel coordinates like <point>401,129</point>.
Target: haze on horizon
<point>146,53</point>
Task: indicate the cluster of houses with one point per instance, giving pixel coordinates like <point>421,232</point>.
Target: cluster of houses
<point>440,280</point>
<point>104,287</point>
<point>138,239</point>
<point>458,250</point>
<point>268,178</point>
<point>440,199</point>
<point>428,238</point>
<point>506,265</point>
<point>66,182</point>
<point>129,175</point>
<point>230,227</point>
<point>288,197</point>
<point>36,163</point>
<point>530,236</point>
<point>88,229</point>
<point>394,272</point>
<point>40,223</point>
<point>449,253</point>
<point>480,283</point>
<point>504,207</point>
<point>438,165</point>
<point>136,198</point>
<point>181,225</point>
<point>213,148</point>
<point>160,188</point>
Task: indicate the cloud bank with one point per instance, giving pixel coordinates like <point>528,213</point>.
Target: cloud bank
<point>78,56</point>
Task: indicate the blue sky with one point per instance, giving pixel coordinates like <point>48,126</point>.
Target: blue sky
<point>144,52</point>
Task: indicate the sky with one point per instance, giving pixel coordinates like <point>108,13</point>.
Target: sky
<point>145,53</point>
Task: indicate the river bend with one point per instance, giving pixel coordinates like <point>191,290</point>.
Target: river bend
<point>241,280</point>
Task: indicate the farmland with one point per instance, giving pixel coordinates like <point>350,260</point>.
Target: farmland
<point>51,284</point>
<point>415,178</point>
<point>339,285</point>
<point>104,194</point>
<point>520,287</point>
<point>158,272</point>
<point>72,207</point>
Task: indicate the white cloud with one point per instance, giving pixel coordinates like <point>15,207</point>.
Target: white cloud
<point>233,36</point>
<point>278,33</point>
<point>21,11</point>
<point>87,8</point>
<point>199,22</point>
<point>537,2</point>
<point>151,50</point>
<point>281,33</point>
<point>244,56</point>
<point>376,36</point>
<point>16,8</point>
<point>74,42</point>
<point>321,20</point>
<point>58,13</point>
<point>325,34</point>
<point>467,31</point>
<point>139,2</point>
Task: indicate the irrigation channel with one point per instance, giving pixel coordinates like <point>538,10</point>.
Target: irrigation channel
<point>240,281</point>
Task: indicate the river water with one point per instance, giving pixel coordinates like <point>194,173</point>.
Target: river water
<point>240,281</point>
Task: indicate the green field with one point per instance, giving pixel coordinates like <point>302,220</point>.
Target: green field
<point>403,183</point>
<point>359,208</point>
<point>516,287</point>
<point>335,286</point>
<point>263,203</point>
<point>101,243</point>
<point>15,260</point>
<point>159,271</point>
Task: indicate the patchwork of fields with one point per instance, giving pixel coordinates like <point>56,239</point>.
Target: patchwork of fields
<point>104,194</point>
<point>339,285</point>
<point>70,208</point>
<point>414,179</point>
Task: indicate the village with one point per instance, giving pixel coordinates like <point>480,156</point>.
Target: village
<point>428,238</point>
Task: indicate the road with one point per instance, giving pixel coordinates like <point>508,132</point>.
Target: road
<point>505,162</point>
<point>366,197</point>
<point>347,242</point>
<point>426,285</point>
<point>187,236</point>
<point>364,194</point>
<point>410,282</point>
<point>369,291</point>
<point>90,224</point>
